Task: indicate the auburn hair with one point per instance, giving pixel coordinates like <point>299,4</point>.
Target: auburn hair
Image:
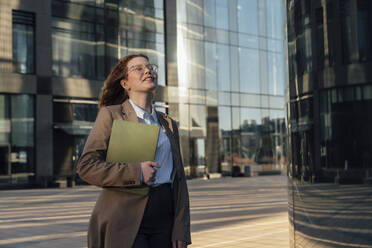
<point>112,93</point>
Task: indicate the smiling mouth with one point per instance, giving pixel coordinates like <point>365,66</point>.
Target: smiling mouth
<point>149,78</point>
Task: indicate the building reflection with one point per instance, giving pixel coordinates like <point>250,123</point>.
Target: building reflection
<point>329,123</point>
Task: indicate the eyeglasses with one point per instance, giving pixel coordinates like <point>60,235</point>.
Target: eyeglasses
<point>140,69</point>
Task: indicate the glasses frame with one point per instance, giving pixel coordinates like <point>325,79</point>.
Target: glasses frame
<point>140,69</point>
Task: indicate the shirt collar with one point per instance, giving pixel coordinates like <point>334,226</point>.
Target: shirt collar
<point>141,113</point>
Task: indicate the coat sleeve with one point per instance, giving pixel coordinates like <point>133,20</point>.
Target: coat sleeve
<point>92,166</point>
<point>181,230</point>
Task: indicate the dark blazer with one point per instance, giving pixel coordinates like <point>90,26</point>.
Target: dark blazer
<point>117,215</point>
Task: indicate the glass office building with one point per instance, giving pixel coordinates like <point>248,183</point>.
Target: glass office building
<point>222,77</point>
<point>329,115</point>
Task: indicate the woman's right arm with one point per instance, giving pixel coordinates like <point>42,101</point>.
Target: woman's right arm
<point>92,166</point>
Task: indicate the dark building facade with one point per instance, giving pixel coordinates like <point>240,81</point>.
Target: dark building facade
<point>221,77</point>
<point>330,122</point>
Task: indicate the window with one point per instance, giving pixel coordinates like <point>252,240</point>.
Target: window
<point>17,134</point>
<point>331,35</point>
<point>320,37</point>
<point>364,36</point>
<point>23,30</point>
<point>347,38</point>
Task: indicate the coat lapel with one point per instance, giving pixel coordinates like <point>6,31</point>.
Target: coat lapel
<point>128,112</point>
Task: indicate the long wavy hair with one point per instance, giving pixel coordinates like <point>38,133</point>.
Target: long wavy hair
<point>112,93</point>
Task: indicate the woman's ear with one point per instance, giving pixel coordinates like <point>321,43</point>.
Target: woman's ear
<point>124,84</point>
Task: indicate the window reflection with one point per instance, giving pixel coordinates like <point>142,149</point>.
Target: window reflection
<point>223,67</point>
<point>274,19</point>
<point>210,13</point>
<point>248,16</point>
<point>347,28</point>
<point>249,70</point>
<point>250,120</point>
<point>23,42</point>
<point>276,75</point>
<point>347,110</point>
<point>364,36</point>
<point>17,136</point>
<point>224,124</point>
<point>222,11</point>
<point>74,48</point>
<point>194,10</point>
<point>210,65</point>
<point>197,120</point>
<point>195,63</point>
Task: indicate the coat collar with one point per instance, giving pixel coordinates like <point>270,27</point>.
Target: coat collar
<point>130,115</point>
<point>128,111</point>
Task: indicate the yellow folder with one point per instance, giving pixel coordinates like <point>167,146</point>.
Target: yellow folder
<point>132,142</point>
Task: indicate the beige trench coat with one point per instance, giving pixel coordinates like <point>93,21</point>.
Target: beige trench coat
<point>117,215</point>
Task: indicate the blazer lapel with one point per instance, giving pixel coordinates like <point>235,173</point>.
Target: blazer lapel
<point>128,112</point>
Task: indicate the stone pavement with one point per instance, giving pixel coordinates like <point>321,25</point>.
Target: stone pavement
<point>226,212</point>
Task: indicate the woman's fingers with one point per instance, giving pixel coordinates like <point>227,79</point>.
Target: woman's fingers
<point>148,172</point>
<point>154,164</point>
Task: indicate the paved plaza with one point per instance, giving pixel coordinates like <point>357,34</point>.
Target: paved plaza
<point>225,212</point>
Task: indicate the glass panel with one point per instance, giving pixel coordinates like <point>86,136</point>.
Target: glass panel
<point>22,133</point>
<point>275,45</point>
<point>222,36</point>
<point>248,100</point>
<point>276,73</point>
<point>235,139</point>
<point>224,98</point>
<point>248,16</point>
<point>5,128</point>
<point>234,68</point>
<point>347,28</point>
<point>181,11</point>
<point>212,98</point>
<point>249,70</point>
<point>210,13</point>
<point>235,99</point>
<point>194,10</point>
<point>364,36</point>
<point>197,96</point>
<point>224,124</point>
<point>222,11</point>
<point>197,165</point>
<point>195,63</point>
<point>274,19</point>
<point>197,121</point>
<point>224,118</point>
<point>249,41</point>
<point>23,42</point>
<point>210,65</point>
<point>250,125</point>
<point>223,67</point>
<point>212,142</point>
<point>73,49</point>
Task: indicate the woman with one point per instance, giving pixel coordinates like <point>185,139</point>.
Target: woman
<point>160,219</point>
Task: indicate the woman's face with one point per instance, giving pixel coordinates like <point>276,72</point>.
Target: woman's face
<point>142,76</point>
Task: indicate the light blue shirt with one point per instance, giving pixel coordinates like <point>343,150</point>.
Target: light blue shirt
<point>163,154</point>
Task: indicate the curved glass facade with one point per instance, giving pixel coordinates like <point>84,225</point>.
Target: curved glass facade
<point>330,135</point>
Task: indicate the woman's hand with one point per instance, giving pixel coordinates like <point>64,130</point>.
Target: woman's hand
<point>179,244</point>
<point>148,172</point>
